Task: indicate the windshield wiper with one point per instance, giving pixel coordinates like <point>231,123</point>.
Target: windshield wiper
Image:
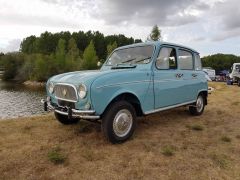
<point>143,59</point>
<point>129,60</point>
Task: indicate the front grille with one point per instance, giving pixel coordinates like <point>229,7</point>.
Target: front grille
<point>65,92</point>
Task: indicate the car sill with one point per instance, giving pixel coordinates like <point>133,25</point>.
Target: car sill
<point>168,107</point>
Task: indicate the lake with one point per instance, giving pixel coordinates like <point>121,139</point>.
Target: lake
<point>17,100</point>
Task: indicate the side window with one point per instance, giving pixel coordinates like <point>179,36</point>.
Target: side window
<point>185,60</point>
<point>167,59</point>
<point>198,63</point>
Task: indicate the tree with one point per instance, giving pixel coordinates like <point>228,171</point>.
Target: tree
<point>60,55</point>
<point>90,57</point>
<point>111,47</point>
<point>155,34</point>
<point>137,41</point>
<point>73,58</point>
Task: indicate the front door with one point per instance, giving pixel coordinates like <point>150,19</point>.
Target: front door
<point>168,79</point>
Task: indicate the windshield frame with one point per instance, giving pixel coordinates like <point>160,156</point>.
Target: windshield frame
<point>122,48</point>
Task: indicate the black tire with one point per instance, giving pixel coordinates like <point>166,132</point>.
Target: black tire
<point>64,119</point>
<point>238,83</point>
<point>119,116</point>
<point>198,107</point>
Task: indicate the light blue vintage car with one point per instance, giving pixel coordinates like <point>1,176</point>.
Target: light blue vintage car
<point>135,80</point>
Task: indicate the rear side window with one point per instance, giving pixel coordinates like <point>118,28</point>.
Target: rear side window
<point>198,63</point>
<point>167,59</point>
<point>185,60</point>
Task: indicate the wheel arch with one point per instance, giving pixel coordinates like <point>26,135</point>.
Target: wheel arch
<point>130,98</point>
<point>205,95</point>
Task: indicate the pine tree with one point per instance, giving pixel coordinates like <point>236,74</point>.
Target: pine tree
<point>111,47</point>
<point>60,55</point>
<point>90,57</point>
<point>73,58</point>
<point>155,34</point>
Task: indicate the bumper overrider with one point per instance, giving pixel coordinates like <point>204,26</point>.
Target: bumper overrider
<point>70,112</point>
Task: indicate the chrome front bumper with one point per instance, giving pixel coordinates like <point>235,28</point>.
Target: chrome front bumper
<point>67,111</point>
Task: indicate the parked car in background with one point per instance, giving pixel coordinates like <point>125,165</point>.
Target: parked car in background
<point>234,75</point>
<point>211,72</point>
<point>135,80</point>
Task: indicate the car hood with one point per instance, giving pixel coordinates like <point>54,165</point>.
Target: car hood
<point>78,77</point>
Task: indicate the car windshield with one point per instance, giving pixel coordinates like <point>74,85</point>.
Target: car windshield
<point>133,55</point>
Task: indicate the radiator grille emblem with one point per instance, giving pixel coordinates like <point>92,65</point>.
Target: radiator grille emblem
<point>64,92</point>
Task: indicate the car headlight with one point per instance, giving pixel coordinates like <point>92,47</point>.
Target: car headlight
<point>82,91</point>
<point>50,87</point>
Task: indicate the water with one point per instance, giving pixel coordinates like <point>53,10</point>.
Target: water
<point>17,100</point>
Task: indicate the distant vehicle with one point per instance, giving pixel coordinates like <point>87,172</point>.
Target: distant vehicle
<point>210,72</point>
<point>135,80</point>
<point>235,73</point>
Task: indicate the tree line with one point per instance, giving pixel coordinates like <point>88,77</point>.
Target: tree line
<point>220,62</point>
<point>52,53</point>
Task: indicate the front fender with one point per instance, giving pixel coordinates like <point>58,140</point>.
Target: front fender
<point>105,89</point>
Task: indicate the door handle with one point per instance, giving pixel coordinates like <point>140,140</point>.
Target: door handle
<point>178,75</point>
<point>194,75</point>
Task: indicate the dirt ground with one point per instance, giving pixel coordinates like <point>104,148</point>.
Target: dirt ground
<point>167,145</point>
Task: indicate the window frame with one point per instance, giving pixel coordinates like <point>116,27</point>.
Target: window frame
<point>121,48</point>
<point>193,58</point>
<point>176,54</point>
<point>197,54</point>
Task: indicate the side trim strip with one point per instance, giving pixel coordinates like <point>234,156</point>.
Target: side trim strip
<point>168,107</point>
<point>118,84</point>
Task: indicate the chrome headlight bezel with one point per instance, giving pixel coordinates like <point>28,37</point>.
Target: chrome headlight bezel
<point>50,87</point>
<point>82,91</point>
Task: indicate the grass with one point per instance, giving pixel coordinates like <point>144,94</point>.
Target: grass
<point>162,147</point>
<point>56,156</point>
<point>220,160</point>
<point>168,151</point>
<point>195,127</point>
<point>226,139</point>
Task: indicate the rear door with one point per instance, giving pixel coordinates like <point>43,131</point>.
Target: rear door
<point>190,77</point>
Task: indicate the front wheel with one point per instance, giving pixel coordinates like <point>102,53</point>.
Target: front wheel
<point>64,119</point>
<point>198,108</point>
<point>119,121</point>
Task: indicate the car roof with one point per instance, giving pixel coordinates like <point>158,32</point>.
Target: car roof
<point>157,43</point>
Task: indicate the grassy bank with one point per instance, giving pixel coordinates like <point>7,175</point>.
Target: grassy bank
<point>167,145</point>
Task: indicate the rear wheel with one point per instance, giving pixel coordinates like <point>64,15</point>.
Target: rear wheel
<point>198,108</point>
<point>239,82</point>
<point>119,121</point>
<point>64,119</point>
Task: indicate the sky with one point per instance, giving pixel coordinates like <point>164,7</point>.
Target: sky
<point>209,27</point>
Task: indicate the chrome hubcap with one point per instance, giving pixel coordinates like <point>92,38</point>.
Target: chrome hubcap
<point>122,123</point>
<point>199,104</point>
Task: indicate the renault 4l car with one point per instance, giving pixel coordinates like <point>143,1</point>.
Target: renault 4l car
<point>136,80</point>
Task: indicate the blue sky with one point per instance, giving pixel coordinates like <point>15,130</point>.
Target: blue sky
<point>208,26</point>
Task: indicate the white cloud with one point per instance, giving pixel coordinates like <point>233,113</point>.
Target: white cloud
<point>197,23</point>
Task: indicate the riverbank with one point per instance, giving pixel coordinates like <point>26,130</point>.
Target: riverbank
<point>34,84</point>
<point>166,145</point>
